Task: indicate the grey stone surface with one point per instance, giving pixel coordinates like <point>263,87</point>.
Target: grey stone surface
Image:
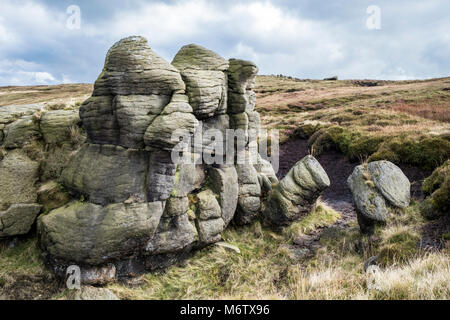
<point>89,233</point>
<point>11,113</point>
<point>106,173</point>
<point>206,82</point>
<point>173,234</point>
<point>21,132</point>
<point>207,206</point>
<point>56,125</point>
<point>18,175</point>
<point>18,219</point>
<point>368,201</point>
<point>209,230</point>
<point>224,182</point>
<point>376,187</point>
<point>391,182</point>
<point>296,194</point>
<point>139,210</point>
<point>94,293</point>
<point>249,202</point>
<point>241,81</point>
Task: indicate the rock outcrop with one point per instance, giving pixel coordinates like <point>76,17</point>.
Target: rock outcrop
<point>124,171</point>
<point>376,187</point>
<point>117,202</point>
<point>35,143</point>
<point>139,210</point>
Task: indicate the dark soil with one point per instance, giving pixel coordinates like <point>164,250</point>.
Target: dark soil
<point>432,234</point>
<point>338,168</point>
<point>339,197</point>
<point>29,287</point>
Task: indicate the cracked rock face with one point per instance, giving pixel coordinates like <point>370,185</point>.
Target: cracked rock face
<point>376,187</point>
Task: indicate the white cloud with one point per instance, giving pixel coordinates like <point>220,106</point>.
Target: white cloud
<point>20,72</point>
<point>413,41</point>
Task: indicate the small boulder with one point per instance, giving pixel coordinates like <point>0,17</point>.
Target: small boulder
<point>375,188</point>
<point>296,194</point>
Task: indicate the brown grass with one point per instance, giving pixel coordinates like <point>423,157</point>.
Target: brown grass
<point>53,95</point>
<point>429,110</point>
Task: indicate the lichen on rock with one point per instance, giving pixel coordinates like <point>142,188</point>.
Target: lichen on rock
<point>376,187</point>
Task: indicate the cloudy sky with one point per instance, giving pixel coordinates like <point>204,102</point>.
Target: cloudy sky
<point>42,43</point>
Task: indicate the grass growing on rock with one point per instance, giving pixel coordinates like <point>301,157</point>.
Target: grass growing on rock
<point>322,216</point>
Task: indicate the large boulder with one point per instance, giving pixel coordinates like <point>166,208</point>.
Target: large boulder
<point>370,204</point>
<point>82,232</point>
<point>124,171</point>
<point>296,194</point>
<point>376,187</point>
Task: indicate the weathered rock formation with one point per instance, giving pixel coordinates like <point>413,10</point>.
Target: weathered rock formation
<point>296,194</point>
<point>139,210</point>
<point>129,207</point>
<point>29,136</point>
<point>376,187</point>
